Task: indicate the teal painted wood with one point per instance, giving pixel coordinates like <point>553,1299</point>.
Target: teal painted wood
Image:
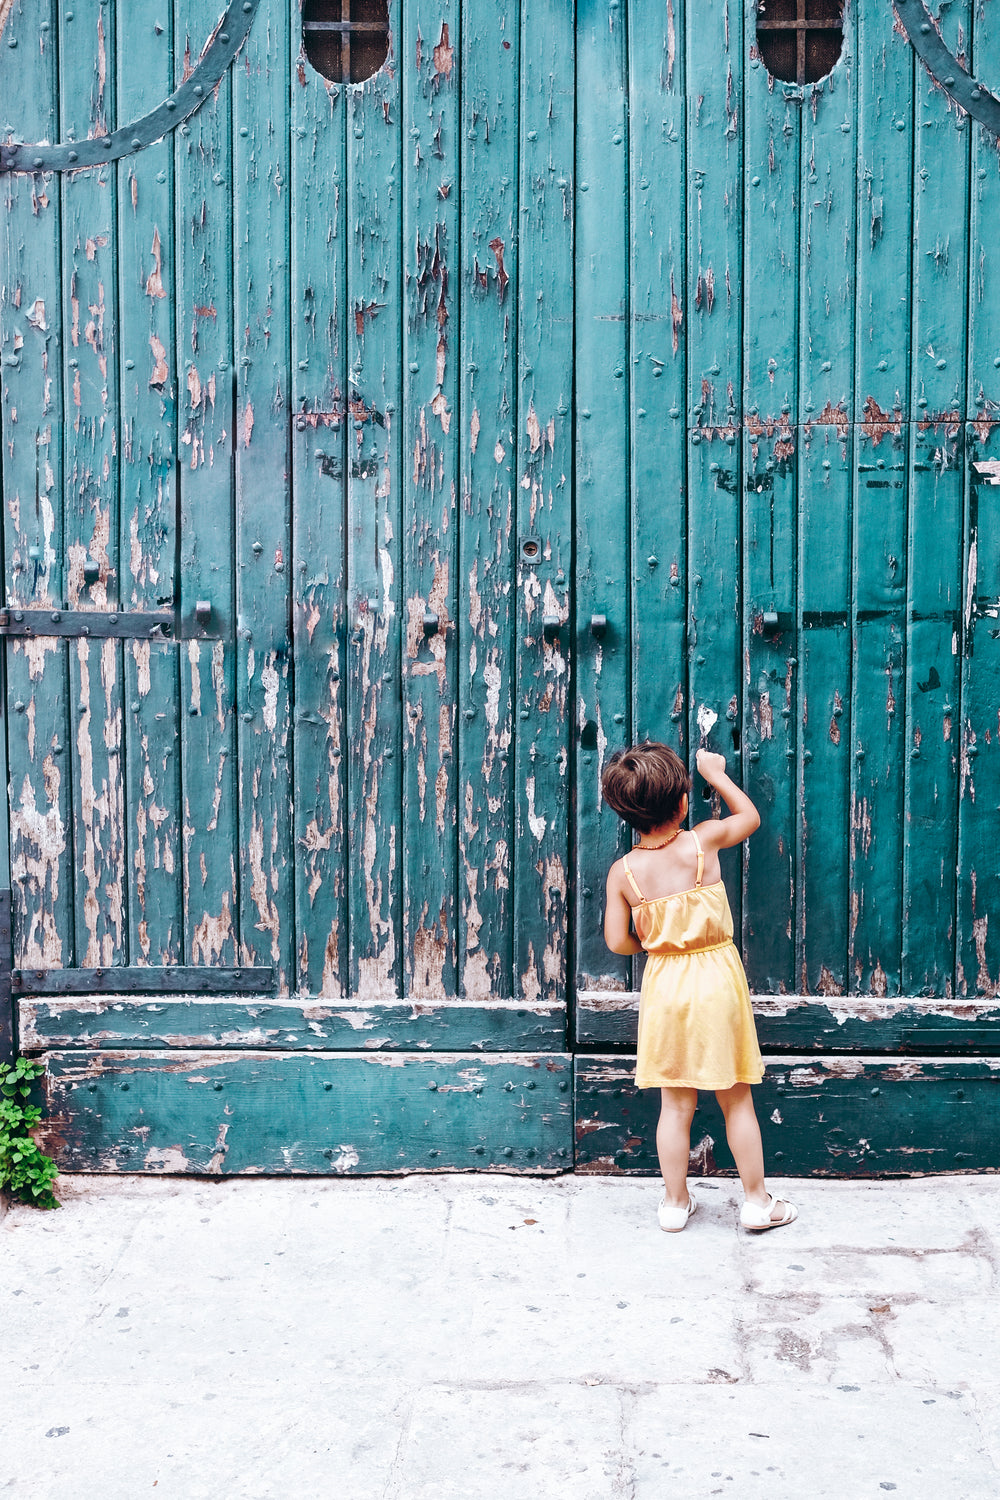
<point>431,44</point>
<point>714,321</point>
<point>601,486</point>
<point>820,1117</point>
<point>804,1023</point>
<point>374,509</point>
<point>205,373</point>
<point>319,312</point>
<point>885,143</point>
<point>490,65</point>
<point>936,503</point>
<point>148,497</point>
<point>544,511</point>
<point>261,90</point>
<point>87,36</point>
<point>659,300</point>
<point>772,267</point>
<point>983,324</point>
<point>977,967</point>
<point>823,562</point>
<point>217,1113</point>
<point>31,346</point>
<point>452,1026</point>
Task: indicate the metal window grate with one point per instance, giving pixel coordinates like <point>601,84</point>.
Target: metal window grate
<point>800,41</point>
<point>346,40</point>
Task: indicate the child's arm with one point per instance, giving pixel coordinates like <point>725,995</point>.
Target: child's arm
<point>743,820</point>
<point>618,914</point>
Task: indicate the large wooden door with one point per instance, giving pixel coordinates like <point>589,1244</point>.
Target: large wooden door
<point>570,380</point>
<point>279,364</point>
<point>786,383</point>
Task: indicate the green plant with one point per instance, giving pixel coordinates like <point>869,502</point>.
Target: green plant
<point>25,1171</point>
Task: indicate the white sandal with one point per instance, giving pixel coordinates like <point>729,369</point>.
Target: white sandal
<point>757,1219</point>
<point>673,1219</point>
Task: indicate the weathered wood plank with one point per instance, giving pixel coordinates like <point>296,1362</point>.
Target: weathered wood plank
<point>319,381</point>
<point>87,52</point>
<point>601,471</point>
<point>222,1114</point>
<point>261,90</point>
<point>885,145</point>
<point>318,1026</point>
<point>805,1023</point>
<point>148,494</point>
<point>714,314</point>
<point>823,564</point>
<point>771,266</point>
<point>489,280</point>
<point>544,511</point>
<point>430,57</point>
<point>374,737</point>
<point>658,305</point>
<point>977,968</point>
<point>936,504</point>
<point>821,1117</point>
<point>31,347</point>
<point>203,244</point>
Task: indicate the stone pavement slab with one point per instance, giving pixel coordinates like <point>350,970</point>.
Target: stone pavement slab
<point>445,1338</point>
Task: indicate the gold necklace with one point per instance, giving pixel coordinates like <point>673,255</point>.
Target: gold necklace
<point>670,840</point>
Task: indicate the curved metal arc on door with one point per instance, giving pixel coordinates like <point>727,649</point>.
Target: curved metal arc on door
<point>944,67</point>
<point>69,156</point>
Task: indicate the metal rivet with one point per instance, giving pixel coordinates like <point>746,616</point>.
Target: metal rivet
<point>327,1087</point>
<point>217,1087</point>
<point>432,1086</point>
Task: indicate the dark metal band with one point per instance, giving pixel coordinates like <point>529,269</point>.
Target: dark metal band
<point>69,156</point>
<point>945,69</point>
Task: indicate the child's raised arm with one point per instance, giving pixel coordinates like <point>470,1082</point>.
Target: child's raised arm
<point>743,820</point>
<point>618,914</point>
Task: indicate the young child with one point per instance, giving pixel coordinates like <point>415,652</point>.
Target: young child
<point>696,1027</point>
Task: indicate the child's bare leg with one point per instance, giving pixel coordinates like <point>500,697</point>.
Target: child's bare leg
<point>743,1135</point>
<point>673,1142</point>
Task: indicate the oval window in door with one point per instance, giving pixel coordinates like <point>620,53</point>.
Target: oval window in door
<point>346,41</point>
<point>800,41</point>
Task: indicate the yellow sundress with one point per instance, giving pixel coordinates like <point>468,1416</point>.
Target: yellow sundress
<point>696,1026</point>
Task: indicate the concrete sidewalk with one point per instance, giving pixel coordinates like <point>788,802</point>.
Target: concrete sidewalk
<point>426,1338</point>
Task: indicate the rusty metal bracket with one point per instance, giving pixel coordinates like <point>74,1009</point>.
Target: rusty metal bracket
<point>137,979</point>
<point>944,67</point>
<point>8,1041</point>
<point>69,156</point>
<point>128,625</point>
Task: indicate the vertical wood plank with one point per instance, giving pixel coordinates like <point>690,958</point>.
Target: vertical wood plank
<point>977,968</point>
<point>658,328</point>
<point>544,497</point>
<point>978,932</point>
<point>148,497</point>
<point>261,88</point>
<point>88,42</point>
<point>601,485</point>
<point>771,266</point>
<point>203,168</point>
<point>937,463</point>
<point>885,142</point>
<point>489,280</point>
<point>714,313</point>
<point>31,346</point>
<point>823,565</point>
<point>374,509</point>
<point>319,383</point>
<point>431,57</point>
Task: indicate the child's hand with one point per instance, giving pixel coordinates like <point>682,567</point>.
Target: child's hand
<point>710,765</point>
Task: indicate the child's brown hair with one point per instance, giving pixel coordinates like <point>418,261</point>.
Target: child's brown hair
<point>645,785</point>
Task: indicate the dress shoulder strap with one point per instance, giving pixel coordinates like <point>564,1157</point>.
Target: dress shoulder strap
<point>631,878</point>
<point>701,859</point>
